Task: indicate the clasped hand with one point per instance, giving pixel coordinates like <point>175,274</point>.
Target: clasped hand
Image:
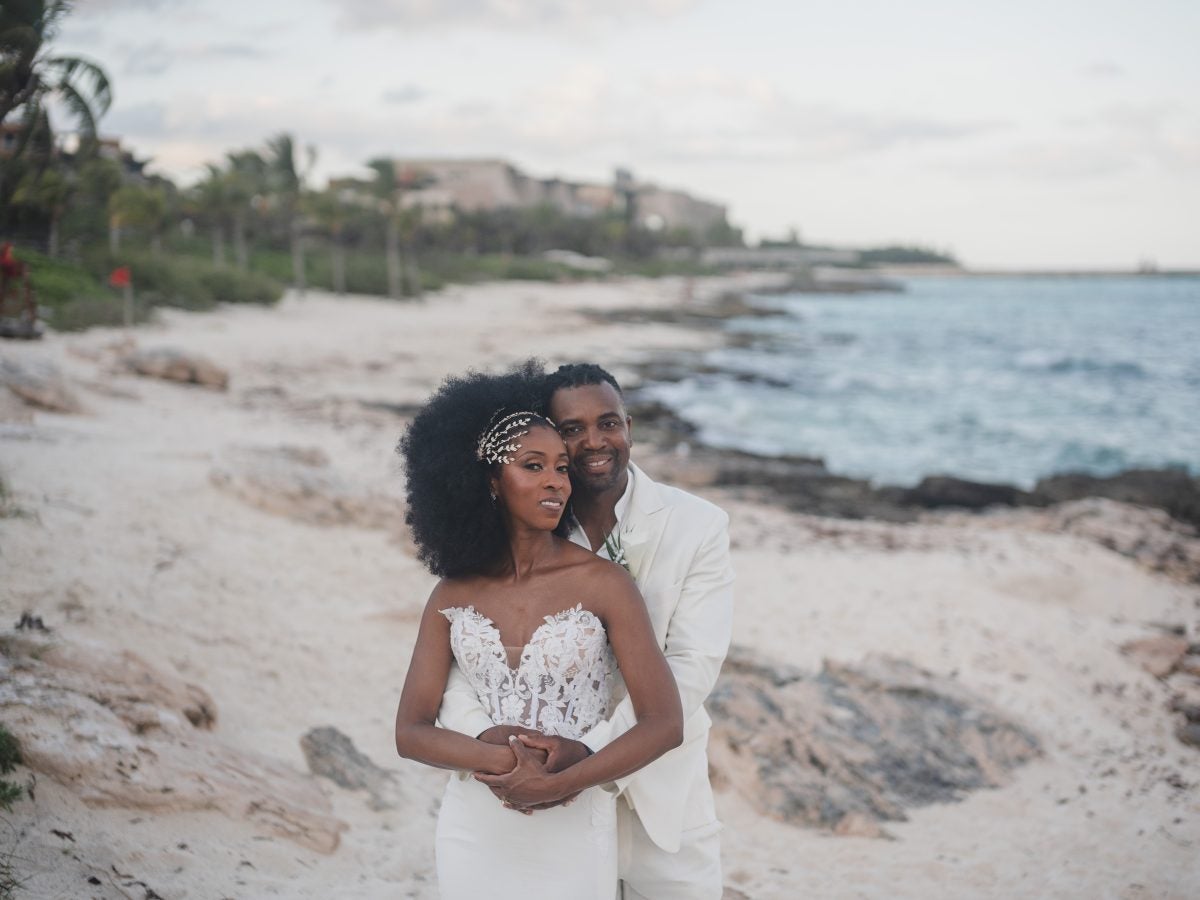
<point>530,785</point>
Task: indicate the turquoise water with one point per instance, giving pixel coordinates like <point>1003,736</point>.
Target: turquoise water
<point>992,379</point>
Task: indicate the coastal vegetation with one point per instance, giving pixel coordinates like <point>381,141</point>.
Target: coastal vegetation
<point>10,793</point>
<point>10,758</point>
<point>902,255</point>
<point>78,207</point>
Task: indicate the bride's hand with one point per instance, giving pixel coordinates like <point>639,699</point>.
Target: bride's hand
<point>528,784</point>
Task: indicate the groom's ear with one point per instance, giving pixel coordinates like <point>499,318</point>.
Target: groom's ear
<point>629,427</point>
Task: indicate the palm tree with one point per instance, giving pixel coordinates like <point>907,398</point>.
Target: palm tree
<point>402,224</point>
<point>142,206</point>
<point>247,179</point>
<point>212,200</point>
<point>387,188</point>
<point>287,182</point>
<point>30,75</point>
<point>48,189</point>
<point>332,215</point>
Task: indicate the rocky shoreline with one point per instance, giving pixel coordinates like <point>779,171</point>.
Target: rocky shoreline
<point>805,484</point>
<point>215,600</point>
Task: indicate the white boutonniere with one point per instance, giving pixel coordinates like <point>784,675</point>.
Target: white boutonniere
<point>626,549</point>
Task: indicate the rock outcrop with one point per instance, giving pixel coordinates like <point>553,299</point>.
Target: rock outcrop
<point>175,365</point>
<point>298,483</point>
<point>937,491</point>
<point>331,754</point>
<point>1170,657</point>
<point>122,734</point>
<point>1159,655</point>
<point>1172,490</point>
<point>1151,537</point>
<point>854,746</point>
<point>40,385</point>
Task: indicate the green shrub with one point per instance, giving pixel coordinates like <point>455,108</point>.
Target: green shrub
<point>76,295</point>
<point>57,281</point>
<point>187,282</point>
<point>234,286</point>
<point>166,281</point>
<point>467,267</point>
<point>10,757</point>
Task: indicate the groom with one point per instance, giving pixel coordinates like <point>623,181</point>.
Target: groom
<point>676,546</point>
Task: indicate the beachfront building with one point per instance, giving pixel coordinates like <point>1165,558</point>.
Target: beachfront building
<point>481,185</point>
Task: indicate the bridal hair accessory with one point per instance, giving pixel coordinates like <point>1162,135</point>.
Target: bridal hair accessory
<point>499,440</point>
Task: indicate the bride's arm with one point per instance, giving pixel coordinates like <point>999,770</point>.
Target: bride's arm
<point>651,688</point>
<point>417,737</point>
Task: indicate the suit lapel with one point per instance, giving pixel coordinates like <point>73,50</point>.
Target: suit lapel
<point>647,519</point>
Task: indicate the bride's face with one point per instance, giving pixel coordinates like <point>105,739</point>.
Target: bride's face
<point>534,487</point>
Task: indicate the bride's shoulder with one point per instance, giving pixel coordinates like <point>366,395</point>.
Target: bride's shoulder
<point>571,553</point>
<point>602,575</point>
<point>454,591</point>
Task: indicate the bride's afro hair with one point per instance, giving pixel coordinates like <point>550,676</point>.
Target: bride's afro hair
<point>457,528</point>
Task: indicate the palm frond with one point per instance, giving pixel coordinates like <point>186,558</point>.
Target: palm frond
<point>73,69</point>
<point>77,105</point>
<point>35,136</point>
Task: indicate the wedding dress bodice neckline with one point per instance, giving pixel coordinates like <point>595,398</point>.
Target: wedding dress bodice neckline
<point>562,683</point>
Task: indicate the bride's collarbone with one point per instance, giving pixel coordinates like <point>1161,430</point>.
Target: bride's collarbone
<point>518,619</point>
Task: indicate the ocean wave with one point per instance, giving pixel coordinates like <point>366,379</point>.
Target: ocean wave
<point>1008,380</point>
<point>1039,360</point>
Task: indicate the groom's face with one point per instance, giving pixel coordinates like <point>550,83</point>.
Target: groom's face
<point>597,431</point>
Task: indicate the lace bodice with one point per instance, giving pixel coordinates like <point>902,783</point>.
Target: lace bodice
<point>562,683</point>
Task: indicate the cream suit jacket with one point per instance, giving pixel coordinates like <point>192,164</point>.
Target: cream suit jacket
<point>677,546</point>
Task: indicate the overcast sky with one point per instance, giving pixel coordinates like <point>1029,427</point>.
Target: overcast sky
<point>1017,134</point>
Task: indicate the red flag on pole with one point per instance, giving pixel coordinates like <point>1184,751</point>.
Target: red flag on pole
<point>120,277</point>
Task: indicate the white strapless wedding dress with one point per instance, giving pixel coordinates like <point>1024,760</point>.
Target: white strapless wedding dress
<point>561,685</point>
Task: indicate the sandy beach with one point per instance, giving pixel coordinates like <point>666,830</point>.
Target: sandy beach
<point>249,543</point>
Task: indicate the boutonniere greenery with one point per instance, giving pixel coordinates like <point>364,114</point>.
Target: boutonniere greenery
<point>624,548</point>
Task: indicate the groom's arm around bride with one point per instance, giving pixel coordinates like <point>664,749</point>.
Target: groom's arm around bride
<point>676,546</point>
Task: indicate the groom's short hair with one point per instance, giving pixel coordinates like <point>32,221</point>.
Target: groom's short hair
<point>573,375</point>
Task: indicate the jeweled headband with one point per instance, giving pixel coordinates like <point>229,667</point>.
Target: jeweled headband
<point>498,442</point>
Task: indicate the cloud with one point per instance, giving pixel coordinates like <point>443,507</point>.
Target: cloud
<point>483,14</point>
<point>1104,68</point>
<point>101,7</point>
<point>409,93</point>
<point>719,116</point>
<point>156,58</point>
<point>1099,144</point>
<point>227,51</point>
<point>148,59</point>
<point>587,119</point>
<point>1157,134</point>
<point>143,120</point>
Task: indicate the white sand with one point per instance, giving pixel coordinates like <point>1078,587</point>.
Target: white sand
<point>290,625</point>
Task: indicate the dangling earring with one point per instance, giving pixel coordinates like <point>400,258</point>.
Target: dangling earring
<point>493,493</point>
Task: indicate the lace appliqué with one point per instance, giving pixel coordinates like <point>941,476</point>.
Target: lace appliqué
<point>562,683</point>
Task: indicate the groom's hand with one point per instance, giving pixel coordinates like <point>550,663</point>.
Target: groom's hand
<point>530,783</point>
<point>499,735</point>
<point>561,753</point>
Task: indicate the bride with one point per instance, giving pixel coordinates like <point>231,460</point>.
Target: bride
<point>534,622</point>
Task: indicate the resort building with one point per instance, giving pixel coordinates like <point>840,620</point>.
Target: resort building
<point>440,186</point>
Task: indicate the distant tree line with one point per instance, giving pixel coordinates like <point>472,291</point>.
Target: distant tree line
<point>254,222</point>
<point>83,206</point>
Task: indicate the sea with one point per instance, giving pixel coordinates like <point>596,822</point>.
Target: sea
<point>998,379</point>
